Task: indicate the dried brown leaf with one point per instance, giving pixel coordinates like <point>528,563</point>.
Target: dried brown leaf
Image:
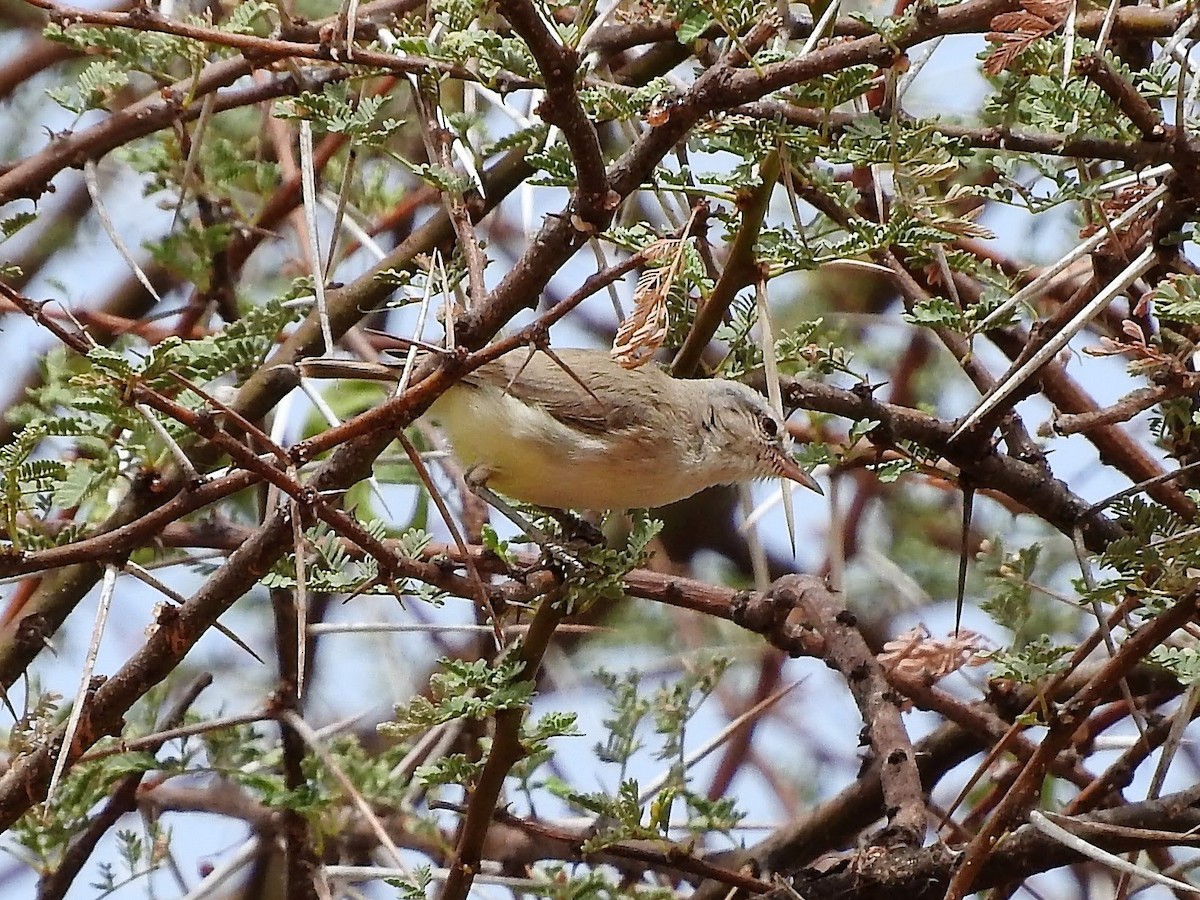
<point>1014,31</point>
<point>1051,10</point>
<point>644,330</point>
<point>917,654</point>
<point>1010,47</point>
<point>1021,22</point>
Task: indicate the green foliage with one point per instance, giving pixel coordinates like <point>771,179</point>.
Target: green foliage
<point>1037,659</point>
<point>453,768</point>
<point>891,472</point>
<point>337,110</point>
<point>629,710</point>
<point>476,691</point>
<point>1177,299</point>
<point>188,252</point>
<point>807,350</point>
<point>417,885</point>
<point>95,87</point>
<point>232,750</point>
<point>748,140</point>
<point>629,815</point>
<point>733,17</point>
<point>139,856</point>
<point>493,544</point>
<point>536,736</point>
<point>556,165</point>
<point>153,53</point>
<point>86,400</point>
<point>248,17</point>
<point>602,569</point>
<point>1157,559</point>
<point>605,102</point>
<point>937,312</point>
<point>238,349</point>
<point>1011,601</point>
<point>521,138</point>
<point>231,174</point>
<point>45,832</point>
<point>14,223</point>
<point>833,89</point>
<point>1158,82</point>
<point>485,51</point>
<point>446,180</point>
<point>600,883</point>
<point>462,690</point>
<point>372,771</point>
<point>1182,662</point>
<point>1032,94</point>
<point>330,568</point>
<point>489,53</point>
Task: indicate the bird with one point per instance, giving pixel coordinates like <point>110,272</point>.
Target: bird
<point>573,429</point>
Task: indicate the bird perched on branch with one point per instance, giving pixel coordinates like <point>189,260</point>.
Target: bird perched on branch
<point>572,429</point>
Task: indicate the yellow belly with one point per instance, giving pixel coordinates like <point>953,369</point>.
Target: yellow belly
<point>530,456</point>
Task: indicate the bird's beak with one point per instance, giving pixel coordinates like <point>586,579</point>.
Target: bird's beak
<point>787,468</point>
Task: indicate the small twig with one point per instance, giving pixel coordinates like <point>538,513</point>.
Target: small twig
<point>506,751</point>
<point>1043,824</point>
<point>309,193</point>
<point>482,600</point>
<point>1058,340</point>
<point>157,738</point>
<point>740,270</point>
<point>92,181</point>
<point>1121,411</point>
<point>1141,486</point>
<point>108,587</point>
<point>1145,118</point>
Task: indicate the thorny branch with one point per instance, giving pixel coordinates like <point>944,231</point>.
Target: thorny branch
<point>733,77</point>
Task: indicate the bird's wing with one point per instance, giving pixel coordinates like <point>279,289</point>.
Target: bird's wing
<point>543,382</point>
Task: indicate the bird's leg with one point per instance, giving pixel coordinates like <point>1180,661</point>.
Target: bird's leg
<point>574,528</point>
<point>476,478</point>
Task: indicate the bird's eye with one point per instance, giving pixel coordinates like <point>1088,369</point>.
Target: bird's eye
<point>769,426</point>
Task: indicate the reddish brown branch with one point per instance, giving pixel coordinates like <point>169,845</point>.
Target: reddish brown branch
<point>1147,119</point>
<point>592,200</point>
<point>845,649</point>
<point>1135,648</point>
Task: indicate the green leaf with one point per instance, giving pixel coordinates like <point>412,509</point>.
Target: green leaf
<point>1177,299</point>
<point>693,26</point>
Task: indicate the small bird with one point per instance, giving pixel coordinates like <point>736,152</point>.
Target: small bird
<point>590,434</point>
<point>576,430</point>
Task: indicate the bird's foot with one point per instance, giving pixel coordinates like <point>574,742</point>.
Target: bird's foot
<point>576,530</point>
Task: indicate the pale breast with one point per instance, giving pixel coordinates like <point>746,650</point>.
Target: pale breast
<point>534,457</point>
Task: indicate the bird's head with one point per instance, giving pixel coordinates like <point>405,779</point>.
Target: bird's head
<point>747,437</point>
